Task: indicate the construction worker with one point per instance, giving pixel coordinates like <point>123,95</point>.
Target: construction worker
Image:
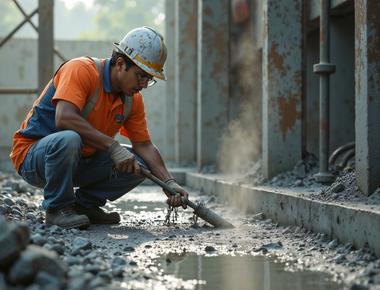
<point>67,139</point>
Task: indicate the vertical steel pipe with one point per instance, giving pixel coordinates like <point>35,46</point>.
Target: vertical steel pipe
<point>324,68</point>
<point>45,42</point>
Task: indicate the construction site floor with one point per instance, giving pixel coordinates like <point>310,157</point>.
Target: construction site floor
<point>142,252</point>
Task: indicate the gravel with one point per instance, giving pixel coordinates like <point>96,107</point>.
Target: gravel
<point>345,189</point>
<point>301,177</point>
<point>36,256</point>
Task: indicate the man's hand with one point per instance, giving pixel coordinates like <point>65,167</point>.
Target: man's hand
<point>178,199</point>
<point>123,159</point>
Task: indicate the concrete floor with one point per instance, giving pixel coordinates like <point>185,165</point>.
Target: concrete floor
<point>141,242</point>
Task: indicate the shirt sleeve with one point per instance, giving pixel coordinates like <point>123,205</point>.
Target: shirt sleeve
<point>135,127</point>
<point>74,82</point>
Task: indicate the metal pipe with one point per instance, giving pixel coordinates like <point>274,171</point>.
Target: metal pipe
<point>346,158</point>
<point>45,42</point>
<point>10,34</point>
<point>324,68</point>
<point>342,149</point>
<point>199,209</point>
<point>10,91</point>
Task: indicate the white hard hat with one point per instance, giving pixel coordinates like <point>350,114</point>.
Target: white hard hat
<point>146,48</point>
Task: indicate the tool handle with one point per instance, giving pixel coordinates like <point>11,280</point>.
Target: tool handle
<point>167,188</point>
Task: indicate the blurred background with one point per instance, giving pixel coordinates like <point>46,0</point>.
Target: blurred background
<point>87,19</point>
<point>79,28</point>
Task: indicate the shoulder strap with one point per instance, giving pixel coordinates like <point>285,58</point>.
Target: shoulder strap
<point>128,100</point>
<point>94,98</point>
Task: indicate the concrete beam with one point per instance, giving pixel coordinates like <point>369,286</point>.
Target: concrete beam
<point>213,78</point>
<point>45,42</point>
<point>282,85</point>
<point>353,224</point>
<point>185,81</point>
<point>367,107</point>
<point>170,29</point>
<point>315,7</point>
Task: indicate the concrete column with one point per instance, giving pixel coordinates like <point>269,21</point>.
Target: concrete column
<point>45,42</point>
<point>282,85</point>
<point>367,90</point>
<point>169,122</point>
<point>213,80</point>
<point>185,81</point>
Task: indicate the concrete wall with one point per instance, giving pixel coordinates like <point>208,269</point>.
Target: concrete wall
<point>282,86</point>
<point>315,6</point>
<point>18,69</point>
<point>367,91</point>
<point>169,120</point>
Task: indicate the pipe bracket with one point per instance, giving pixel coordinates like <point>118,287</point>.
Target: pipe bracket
<point>324,68</point>
<point>324,177</point>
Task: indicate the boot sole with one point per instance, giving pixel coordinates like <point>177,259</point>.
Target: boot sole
<point>81,226</point>
<point>104,223</point>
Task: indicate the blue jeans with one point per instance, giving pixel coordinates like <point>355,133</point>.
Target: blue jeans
<point>55,164</point>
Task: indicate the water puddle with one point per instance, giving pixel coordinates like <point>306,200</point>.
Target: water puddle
<point>150,201</point>
<point>242,273</point>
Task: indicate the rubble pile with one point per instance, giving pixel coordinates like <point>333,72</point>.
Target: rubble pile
<point>302,174</point>
<point>345,189</point>
<point>35,256</point>
<point>22,264</point>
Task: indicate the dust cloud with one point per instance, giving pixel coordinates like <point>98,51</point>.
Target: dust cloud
<point>240,145</point>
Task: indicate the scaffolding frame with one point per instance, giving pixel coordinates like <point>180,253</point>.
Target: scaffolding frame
<point>46,48</point>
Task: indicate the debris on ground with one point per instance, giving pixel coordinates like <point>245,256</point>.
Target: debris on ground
<point>345,189</point>
<point>123,256</point>
<point>302,174</point>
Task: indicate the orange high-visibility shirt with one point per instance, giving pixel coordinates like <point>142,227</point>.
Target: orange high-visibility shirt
<point>75,82</point>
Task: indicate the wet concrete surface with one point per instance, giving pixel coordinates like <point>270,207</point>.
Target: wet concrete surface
<point>134,254</point>
<point>242,272</point>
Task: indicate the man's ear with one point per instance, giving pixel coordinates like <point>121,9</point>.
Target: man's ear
<point>120,64</point>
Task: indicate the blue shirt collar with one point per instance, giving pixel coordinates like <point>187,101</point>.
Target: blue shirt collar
<point>106,76</point>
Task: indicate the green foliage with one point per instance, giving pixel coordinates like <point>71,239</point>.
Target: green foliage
<point>8,20</point>
<point>114,18</point>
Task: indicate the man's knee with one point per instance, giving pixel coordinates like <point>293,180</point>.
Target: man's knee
<point>70,140</point>
<point>69,143</point>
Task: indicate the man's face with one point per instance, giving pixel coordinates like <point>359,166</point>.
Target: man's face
<point>132,80</point>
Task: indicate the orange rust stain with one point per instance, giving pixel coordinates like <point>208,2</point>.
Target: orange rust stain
<point>288,112</point>
<point>323,125</point>
<point>276,59</point>
<point>190,29</point>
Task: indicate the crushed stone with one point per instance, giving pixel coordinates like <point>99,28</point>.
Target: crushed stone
<point>122,256</point>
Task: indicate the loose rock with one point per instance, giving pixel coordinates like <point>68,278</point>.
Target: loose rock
<point>210,249</point>
<point>80,244</point>
<point>13,239</point>
<point>34,260</point>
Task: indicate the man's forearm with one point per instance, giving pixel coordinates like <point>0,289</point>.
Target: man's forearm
<point>153,159</point>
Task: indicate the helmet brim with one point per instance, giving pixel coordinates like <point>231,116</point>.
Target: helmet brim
<point>145,68</point>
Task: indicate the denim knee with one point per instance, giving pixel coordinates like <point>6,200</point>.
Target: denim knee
<point>68,142</point>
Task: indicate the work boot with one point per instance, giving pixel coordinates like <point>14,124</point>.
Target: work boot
<point>67,218</point>
<point>97,215</point>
